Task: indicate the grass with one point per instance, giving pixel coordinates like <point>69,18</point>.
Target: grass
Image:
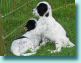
<point>1,41</point>
<point>17,12</point>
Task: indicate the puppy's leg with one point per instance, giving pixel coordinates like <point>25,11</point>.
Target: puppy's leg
<point>33,51</point>
<point>69,43</point>
<point>58,47</point>
<point>44,41</point>
<point>29,54</point>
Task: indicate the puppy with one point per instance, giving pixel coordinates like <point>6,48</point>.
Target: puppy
<point>29,41</point>
<point>52,30</point>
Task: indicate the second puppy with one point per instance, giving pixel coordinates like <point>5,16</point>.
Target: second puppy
<point>29,41</point>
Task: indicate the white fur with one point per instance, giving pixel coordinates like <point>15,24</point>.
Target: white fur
<point>53,30</point>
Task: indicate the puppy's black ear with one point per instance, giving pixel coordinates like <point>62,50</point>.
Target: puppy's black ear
<point>42,8</point>
<point>30,25</point>
<point>47,14</point>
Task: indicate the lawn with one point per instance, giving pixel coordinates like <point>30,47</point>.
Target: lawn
<point>1,41</point>
<point>15,13</point>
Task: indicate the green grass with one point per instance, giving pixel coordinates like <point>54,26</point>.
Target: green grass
<point>1,40</point>
<point>13,23</point>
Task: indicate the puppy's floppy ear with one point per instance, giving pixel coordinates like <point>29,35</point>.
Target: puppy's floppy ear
<point>31,24</point>
<point>42,8</point>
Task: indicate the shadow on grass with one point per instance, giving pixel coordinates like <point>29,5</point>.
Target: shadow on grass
<point>40,58</point>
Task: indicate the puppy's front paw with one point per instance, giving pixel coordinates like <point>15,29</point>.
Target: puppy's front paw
<point>52,51</point>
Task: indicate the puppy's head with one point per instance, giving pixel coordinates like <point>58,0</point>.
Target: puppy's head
<point>30,25</point>
<point>43,9</point>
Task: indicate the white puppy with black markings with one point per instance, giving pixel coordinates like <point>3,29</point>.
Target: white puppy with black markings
<point>29,41</point>
<point>52,29</point>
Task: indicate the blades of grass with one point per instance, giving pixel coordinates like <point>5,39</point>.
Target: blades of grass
<point>16,9</point>
<point>61,7</point>
<point>2,50</point>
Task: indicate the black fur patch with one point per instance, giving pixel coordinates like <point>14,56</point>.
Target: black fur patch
<point>31,24</point>
<point>42,8</point>
<point>47,14</point>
